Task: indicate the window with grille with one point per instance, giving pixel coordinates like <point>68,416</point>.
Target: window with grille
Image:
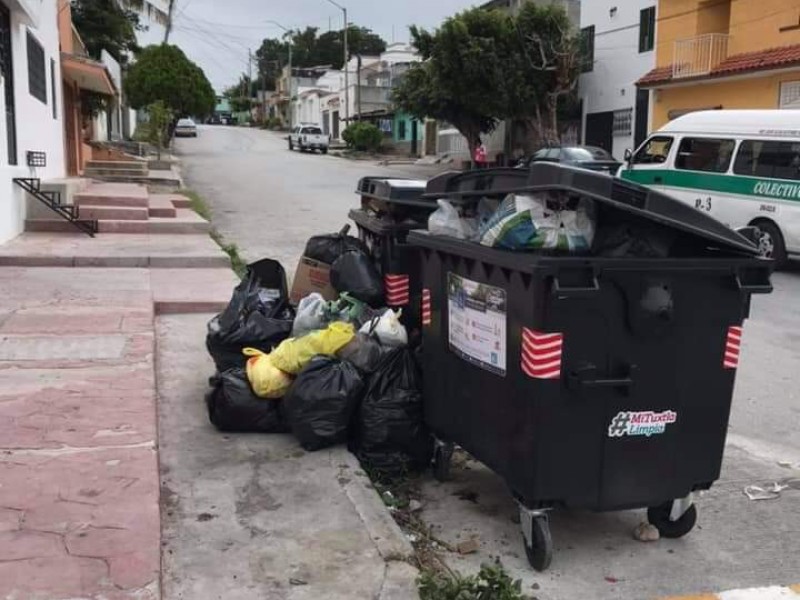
<point>623,122</point>
<point>37,72</point>
<point>647,29</point>
<point>790,94</point>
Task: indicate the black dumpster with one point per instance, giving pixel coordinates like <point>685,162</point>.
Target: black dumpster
<point>592,382</point>
<point>390,208</point>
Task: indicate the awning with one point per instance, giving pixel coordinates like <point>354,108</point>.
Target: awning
<point>88,74</point>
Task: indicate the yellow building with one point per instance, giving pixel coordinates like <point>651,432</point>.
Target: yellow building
<point>724,54</point>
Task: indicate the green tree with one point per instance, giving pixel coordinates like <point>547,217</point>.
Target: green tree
<point>165,73</point>
<point>104,25</point>
<point>158,127</point>
<point>544,64</point>
<point>462,79</point>
<point>363,136</point>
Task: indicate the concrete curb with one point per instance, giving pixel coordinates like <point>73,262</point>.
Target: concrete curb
<point>389,539</point>
<point>400,577</point>
<point>766,593</point>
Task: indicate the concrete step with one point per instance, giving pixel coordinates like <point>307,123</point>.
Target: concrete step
<point>127,165</point>
<point>115,213</point>
<point>181,291</point>
<point>185,222</point>
<point>96,173</point>
<point>177,200</point>
<point>50,226</point>
<point>113,194</point>
<point>162,207</point>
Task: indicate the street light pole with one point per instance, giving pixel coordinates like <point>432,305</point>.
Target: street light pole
<point>346,70</point>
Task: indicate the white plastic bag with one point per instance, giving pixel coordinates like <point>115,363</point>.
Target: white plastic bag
<point>388,329</point>
<point>445,220</point>
<point>311,315</point>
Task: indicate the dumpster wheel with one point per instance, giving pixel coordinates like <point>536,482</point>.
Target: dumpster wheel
<point>539,549</point>
<point>442,459</point>
<point>659,517</point>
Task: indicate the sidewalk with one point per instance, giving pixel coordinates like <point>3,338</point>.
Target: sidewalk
<point>93,352</point>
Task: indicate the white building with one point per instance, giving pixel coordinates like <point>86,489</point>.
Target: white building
<point>620,38</point>
<point>30,103</point>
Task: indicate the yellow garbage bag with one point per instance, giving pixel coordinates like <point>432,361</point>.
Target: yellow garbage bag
<point>294,354</point>
<point>266,380</point>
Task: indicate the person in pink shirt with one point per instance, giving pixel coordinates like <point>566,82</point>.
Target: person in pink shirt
<point>479,158</point>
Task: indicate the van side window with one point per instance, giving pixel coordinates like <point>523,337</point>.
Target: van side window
<point>773,160</point>
<point>704,154</point>
<point>654,152</point>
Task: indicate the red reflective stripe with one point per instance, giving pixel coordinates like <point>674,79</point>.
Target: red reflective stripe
<point>733,344</point>
<point>427,316</point>
<point>541,354</point>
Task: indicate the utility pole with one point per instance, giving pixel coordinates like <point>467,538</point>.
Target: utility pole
<point>170,10</point>
<point>291,77</point>
<point>358,86</point>
<point>346,57</point>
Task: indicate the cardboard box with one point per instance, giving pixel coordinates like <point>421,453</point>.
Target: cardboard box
<point>312,276</point>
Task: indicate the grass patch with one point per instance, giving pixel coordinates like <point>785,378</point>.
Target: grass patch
<point>200,206</point>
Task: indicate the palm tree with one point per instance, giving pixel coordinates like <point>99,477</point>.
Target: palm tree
<point>152,8</point>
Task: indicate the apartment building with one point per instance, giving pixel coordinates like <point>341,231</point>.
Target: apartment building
<point>724,54</point>
<point>619,38</point>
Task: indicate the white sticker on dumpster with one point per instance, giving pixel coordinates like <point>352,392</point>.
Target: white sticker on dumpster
<point>642,423</point>
<point>477,323</point>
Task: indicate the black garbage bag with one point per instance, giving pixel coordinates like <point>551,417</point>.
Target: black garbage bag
<point>354,272</point>
<point>232,406</point>
<point>327,248</point>
<point>364,352</point>
<point>321,402</point>
<point>390,435</point>
<point>258,316</point>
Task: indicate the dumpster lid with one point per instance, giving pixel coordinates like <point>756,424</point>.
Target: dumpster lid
<point>617,193</point>
<point>461,184</point>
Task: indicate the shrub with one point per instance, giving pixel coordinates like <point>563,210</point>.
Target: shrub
<point>363,136</point>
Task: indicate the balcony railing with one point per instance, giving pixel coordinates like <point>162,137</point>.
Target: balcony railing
<point>699,55</point>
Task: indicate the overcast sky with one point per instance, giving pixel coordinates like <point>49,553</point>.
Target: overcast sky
<point>217,33</point>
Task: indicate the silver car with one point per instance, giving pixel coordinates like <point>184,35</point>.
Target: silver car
<point>186,128</point>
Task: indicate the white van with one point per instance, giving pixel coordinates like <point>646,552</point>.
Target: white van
<point>741,166</point>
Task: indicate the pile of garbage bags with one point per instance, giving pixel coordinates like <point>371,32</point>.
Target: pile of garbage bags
<point>329,372</point>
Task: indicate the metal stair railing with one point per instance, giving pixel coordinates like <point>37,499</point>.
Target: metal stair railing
<point>53,201</point>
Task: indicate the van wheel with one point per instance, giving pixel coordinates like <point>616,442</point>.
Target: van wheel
<point>770,243</point>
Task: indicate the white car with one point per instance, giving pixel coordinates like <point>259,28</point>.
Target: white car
<point>185,128</point>
<point>309,137</point>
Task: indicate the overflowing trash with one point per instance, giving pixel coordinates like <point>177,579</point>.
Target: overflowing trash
<point>321,402</point>
<point>335,370</point>
<point>390,436</point>
<point>449,222</point>
<point>258,316</point>
<point>233,406</point>
<point>541,222</point>
<point>266,379</point>
<point>294,354</point>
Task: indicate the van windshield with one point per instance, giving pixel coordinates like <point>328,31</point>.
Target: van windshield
<point>654,152</point>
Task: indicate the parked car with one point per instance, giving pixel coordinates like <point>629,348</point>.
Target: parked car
<point>309,137</point>
<point>186,128</point>
<point>585,157</point>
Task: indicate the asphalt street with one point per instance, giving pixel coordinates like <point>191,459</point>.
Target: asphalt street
<point>269,201</point>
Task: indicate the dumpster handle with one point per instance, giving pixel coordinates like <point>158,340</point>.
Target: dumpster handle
<point>586,377</point>
<point>577,290</point>
<point>753,288</point>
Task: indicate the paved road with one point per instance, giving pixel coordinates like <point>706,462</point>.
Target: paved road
<point>270,201</point>
<point>267,199</point>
